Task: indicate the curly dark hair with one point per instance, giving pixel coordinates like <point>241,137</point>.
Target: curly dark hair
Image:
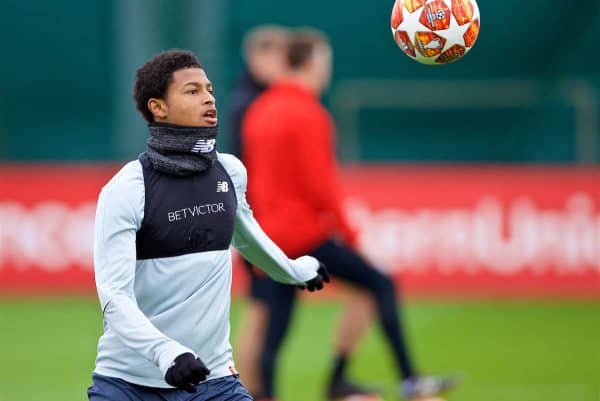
<point>154,77</point>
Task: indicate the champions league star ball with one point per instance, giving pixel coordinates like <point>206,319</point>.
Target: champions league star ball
<point>435,31</point>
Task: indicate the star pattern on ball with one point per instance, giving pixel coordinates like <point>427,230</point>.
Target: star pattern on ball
<point>411,24</point>
<point>451,33</point>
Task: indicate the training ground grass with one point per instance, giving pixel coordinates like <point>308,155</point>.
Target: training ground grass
<point>501,351</point>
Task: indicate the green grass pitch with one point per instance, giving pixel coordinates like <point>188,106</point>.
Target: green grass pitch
<point>502,351</point>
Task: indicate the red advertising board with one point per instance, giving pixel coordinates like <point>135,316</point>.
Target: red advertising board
<point>483,230</point>
<point>46,227</point>
<point>472,231</point>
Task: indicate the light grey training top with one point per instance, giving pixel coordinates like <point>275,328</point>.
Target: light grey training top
<point>157,309</point>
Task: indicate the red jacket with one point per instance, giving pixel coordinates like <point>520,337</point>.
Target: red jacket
<point>293,186</point>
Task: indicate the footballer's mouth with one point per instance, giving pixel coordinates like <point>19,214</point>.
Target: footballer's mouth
<point>210,116</point>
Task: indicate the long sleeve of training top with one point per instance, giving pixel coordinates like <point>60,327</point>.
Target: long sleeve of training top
<point>119,215</point>
<point>251,241</point>
<point>156,309</point>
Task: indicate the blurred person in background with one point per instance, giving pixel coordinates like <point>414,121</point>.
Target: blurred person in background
<point>289,151</point>
<point>164,225</point>
<point>264,52</point>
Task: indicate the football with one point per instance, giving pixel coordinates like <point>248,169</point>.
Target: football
<point>435,31</point>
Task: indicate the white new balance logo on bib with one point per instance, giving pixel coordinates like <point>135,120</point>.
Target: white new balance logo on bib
<point>222,186</point>
<point>204,146</point>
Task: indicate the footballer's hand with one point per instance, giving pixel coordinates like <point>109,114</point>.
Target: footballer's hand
<point>186,371</point>
<point>316,283</point>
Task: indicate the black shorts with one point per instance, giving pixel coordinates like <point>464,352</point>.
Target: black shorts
<point>260,283</point>
<point>343,262</point>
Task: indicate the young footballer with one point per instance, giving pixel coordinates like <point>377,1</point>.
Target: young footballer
<point>162,264</point>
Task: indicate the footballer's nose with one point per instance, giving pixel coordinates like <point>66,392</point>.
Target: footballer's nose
<point>209,100</point>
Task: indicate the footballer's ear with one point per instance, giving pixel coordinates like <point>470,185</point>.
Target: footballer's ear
<point>158,108</point>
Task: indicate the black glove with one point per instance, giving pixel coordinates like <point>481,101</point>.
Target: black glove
<point>317,282</point>
<point>186,371</point>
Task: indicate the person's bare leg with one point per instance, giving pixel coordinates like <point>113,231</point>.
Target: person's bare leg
<point>356,317</point>
<point>249,345</point>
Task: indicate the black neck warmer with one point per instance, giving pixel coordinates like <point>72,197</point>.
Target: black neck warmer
<point>179,150</point>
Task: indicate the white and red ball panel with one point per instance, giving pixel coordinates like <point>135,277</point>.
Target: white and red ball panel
<point>435,31</point>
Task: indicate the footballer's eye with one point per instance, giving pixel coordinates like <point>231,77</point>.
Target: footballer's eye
<point>192,91</point>
<point>210,90</point>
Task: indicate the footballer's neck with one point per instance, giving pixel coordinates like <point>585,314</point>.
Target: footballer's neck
<point>305,80</point>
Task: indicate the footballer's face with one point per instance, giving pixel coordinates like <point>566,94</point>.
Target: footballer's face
<point>189,100</point>
<point>267,66</point>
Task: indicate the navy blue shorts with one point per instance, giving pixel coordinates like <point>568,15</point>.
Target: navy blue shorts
<point>112,389</point>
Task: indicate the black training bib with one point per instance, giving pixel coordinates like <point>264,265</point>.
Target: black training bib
<point>185,215</point>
